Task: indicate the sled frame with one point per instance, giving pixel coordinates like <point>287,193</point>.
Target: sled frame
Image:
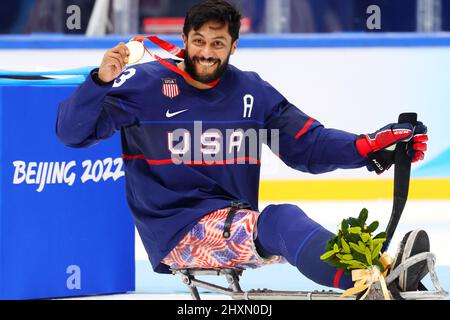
<point>234,290</point>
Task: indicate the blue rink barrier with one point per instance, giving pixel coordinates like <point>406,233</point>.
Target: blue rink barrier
<point>65,227</point>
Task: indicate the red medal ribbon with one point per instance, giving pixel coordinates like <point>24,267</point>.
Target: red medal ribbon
<point>173,50</point>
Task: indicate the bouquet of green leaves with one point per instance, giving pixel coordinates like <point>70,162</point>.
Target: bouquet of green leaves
<point>354,247</point>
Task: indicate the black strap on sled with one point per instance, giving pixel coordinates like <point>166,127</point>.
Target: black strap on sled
<point>402,175</point>
<point>235,206</point>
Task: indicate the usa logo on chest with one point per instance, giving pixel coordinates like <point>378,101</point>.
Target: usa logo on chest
<point>170,88</point>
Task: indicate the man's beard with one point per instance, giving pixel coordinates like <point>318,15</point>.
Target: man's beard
<point>190,69</point>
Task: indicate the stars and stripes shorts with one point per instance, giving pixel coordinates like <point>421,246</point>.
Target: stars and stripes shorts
<point>206,247</point>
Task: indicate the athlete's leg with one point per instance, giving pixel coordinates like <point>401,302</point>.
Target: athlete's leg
<point>285,230</point>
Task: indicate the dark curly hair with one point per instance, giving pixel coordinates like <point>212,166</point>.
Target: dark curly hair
<point>213,10</point>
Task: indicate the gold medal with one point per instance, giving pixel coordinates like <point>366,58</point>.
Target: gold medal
<point>137,51</point>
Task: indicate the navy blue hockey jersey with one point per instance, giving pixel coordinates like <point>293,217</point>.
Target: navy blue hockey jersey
<point>187,151</point>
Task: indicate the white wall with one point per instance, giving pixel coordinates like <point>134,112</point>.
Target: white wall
<point>353,89</point>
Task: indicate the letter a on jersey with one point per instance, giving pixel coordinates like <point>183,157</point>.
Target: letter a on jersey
<point>170,88</point>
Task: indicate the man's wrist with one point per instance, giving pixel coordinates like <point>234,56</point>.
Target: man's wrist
<point>97,80</point>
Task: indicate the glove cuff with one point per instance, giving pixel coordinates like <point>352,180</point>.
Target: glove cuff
<point>363,146</point>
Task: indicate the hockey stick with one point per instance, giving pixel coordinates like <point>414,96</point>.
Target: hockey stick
<point>402,175</point>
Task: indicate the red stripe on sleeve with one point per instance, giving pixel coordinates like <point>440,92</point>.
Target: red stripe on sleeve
<point>128,157</point>
<point>304,129</point>
<point>245,160</point>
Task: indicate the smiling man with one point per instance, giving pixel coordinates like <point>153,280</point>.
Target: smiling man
<point>208,50</point>
<point>192,155</point>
